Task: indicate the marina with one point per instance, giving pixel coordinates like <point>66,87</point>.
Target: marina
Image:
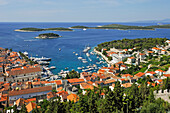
<point>77,42</point>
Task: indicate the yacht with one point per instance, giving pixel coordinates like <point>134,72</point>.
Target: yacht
<point>84,61</point>
<point>40,59</point>
<point>80,58</point>
<point>25,53</point>
<point>87,54</point>
<point>84,29</point>
<point>52,67</point>
<point>79,68</point>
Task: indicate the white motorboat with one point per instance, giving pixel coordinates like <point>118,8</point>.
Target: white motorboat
<point>84,61</point>
<point>79,68</point>
<point>80,58</point>
<point>52,67</point>
<point>87,54</point>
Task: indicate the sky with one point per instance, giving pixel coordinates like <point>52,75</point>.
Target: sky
<point>83,10</point>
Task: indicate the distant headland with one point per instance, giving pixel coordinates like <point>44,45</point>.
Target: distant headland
<point>48,36</point>
<point>31,29</point>
<point>123,27</point>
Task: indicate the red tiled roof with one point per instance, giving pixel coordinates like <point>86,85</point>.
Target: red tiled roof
<point>86,86</point>
<point>75,80</point>
<point>151,72</point>
<point>127,85</point>
<point>73,97</point>
<point>166,75</point>
<point>156,48</point>
<point>31,106</point>
<point>140,74</point>
<point>25,71</point>
<point>159,70</point>
<point>28,91</point>
<point>150,51</point>
<point>141,54</point>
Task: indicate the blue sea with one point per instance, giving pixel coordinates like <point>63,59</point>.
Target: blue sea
<point>69,42</point>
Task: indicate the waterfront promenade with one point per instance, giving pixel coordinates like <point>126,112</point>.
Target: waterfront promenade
<point>105,58</point>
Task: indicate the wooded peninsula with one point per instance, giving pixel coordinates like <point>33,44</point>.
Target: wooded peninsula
<point>31,29</point>
<point>123,27</point>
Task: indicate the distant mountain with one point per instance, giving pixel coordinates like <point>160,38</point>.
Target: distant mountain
<point>155,21</point>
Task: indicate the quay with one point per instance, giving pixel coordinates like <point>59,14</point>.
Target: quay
<point>104,57</point>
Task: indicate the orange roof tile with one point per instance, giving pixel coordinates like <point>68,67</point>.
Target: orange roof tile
<point>140,74</point>
<point>24,71</point>
<point>31,106</point>
<point>86,86</point>
<point>141,53</point>
<point>60,89</point>
<point>151,72</point>
<point>166,75</point>
<point>126,75</point>
<point>75,80</point>
<point>31,100</point>
<point>126,85</point>
<point>28,91</point>
<point>159,70</point>
<point>51,95</point>
<point>73,97</point>
<point>131,57</point>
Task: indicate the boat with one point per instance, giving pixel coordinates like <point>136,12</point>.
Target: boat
<point>91,53</point>
<point>88,47</point>
<point>85,50</point>
<point>25,53</point>
<point>59,49</point>
<point>52,67</point>
<point>73,52</point>
<point>76,54</point>
<point>79,68</point>
<point>66,68</point>
<point>43,62</point>
<point>84,29</point>
<point>84,61</point>
<point>80,58</point>
<point>40,59</point>
<point>87,54</point>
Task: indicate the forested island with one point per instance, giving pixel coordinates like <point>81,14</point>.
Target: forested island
<point>110,26</point>
<point>31,29</point>
<point>124,27</point>
<point>79,27</point>
<point>139,43</point>
<point>47,36</point>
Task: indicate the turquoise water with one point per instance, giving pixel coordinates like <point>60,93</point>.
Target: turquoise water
<point>69,42</point>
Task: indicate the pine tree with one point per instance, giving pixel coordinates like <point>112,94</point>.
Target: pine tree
<point>15,109</point>
<point>23,109</point>
<point>118,96</point>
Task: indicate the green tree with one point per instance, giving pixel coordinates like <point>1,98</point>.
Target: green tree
<point>23,109</point>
